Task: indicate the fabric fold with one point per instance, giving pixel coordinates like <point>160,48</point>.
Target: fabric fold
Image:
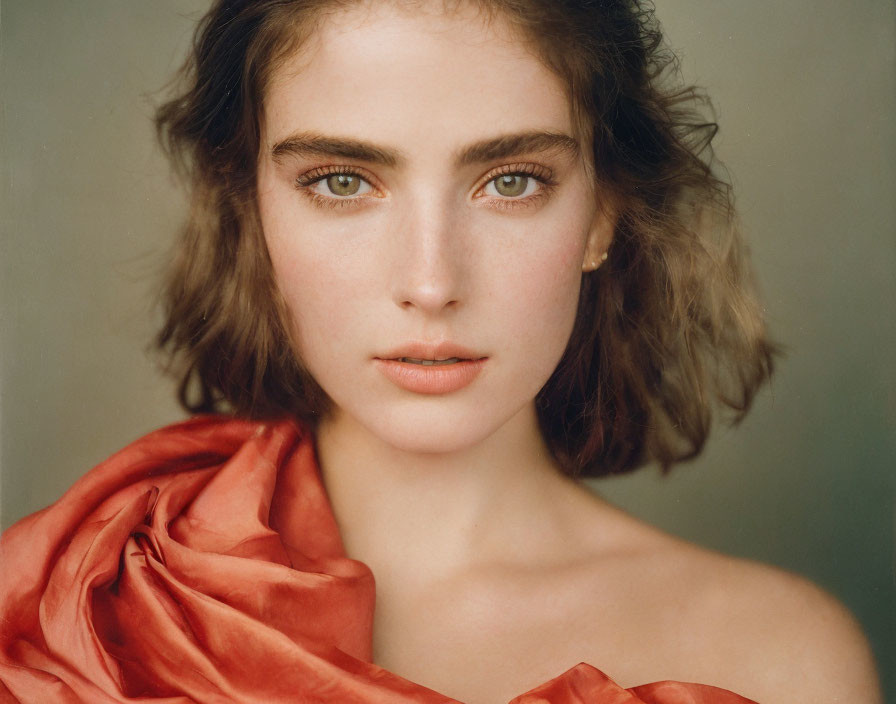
<point>203,563</point>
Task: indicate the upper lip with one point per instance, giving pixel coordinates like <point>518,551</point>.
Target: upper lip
<point>430,350</point>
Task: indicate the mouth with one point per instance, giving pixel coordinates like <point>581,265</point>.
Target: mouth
<point>430,354</point>
<point>431,362</point>
<point>424,375</point>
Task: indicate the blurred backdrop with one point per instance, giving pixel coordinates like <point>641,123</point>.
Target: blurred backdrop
<point>806,97</point>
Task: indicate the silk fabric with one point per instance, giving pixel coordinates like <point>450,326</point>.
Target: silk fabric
<point>203,563</point>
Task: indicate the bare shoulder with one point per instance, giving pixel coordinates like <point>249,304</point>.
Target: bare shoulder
<point>754,629</point>
<point>798,642</point>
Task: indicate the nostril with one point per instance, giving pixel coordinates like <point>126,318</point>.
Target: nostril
<point>410,304</point>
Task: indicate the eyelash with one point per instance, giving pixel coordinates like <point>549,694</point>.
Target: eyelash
<point>307,180</point>
<point>541,174</point>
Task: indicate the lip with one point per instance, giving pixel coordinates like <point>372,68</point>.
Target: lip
<point>436,379</point>
<point>431,350</point>
<point>430,380</point>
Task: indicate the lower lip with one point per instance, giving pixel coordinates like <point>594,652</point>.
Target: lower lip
<point>431,379</point>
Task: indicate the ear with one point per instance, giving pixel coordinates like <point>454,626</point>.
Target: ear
<point>600,237</point>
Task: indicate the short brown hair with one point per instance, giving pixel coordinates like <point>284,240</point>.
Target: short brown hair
<point>666,330</point>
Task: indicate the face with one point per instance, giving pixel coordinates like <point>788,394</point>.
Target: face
<point>423,196</point>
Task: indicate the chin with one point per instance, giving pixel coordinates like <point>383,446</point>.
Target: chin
<point>444,431</point>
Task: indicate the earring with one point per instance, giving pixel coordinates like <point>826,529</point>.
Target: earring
<point>591,266</point>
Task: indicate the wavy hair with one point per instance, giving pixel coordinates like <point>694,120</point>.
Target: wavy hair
<point>668,331</point>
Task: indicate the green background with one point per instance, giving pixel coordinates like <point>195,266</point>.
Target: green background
<point>805,92</point>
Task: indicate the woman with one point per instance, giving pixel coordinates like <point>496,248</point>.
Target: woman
<point>440,260</point>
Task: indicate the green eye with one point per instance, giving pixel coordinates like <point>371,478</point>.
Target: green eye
<point>511,185</point>
<point>335,185</point>
<point>343,184</point>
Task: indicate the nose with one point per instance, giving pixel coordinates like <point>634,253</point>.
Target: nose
<point>430,257</point>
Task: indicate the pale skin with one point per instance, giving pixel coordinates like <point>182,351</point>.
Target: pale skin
<point>494,572</point>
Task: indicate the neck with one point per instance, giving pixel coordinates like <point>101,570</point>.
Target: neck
<point>423,516</point>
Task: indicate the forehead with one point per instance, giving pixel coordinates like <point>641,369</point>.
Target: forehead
<point>405,74</point>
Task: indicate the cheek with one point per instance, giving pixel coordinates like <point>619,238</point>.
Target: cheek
<point>318,294</point>
<point>308,276</point>
<point>540,296</point>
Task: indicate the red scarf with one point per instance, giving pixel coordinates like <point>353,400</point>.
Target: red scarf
<point>203,563</point>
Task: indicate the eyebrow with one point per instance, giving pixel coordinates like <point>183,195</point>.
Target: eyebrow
<point>512,144</point>
<point>309,144</point>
